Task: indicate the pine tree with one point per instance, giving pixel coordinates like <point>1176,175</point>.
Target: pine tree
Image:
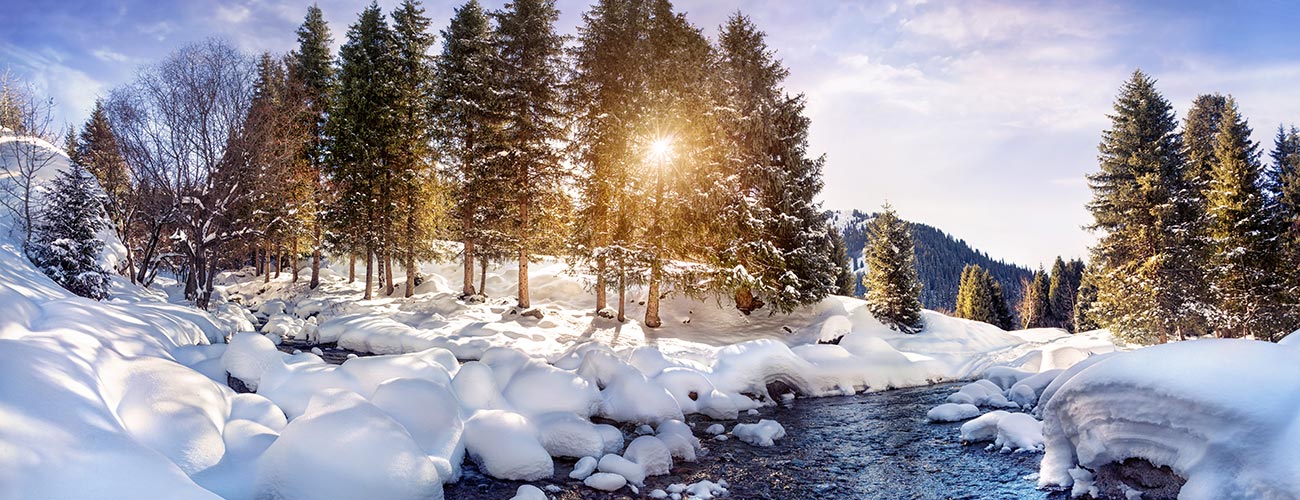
<point>1063,291</point>
<point>606,95</point>
<point>979,297</point>
<point>66,245</point>
<point>361,132</point>
<point>1085,319</point>
<point>893,289</point>
<point>773,220</point>
<point>1002,312</point>
<point>312,68</point>
<point>531,56</point>
<point>1246,247</point>
<point>1135,258</point>
<point>845,281</point>
<point>468,86</point>
<point>1036,309</point>
<point>417,194</point>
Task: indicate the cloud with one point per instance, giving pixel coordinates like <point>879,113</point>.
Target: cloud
<point>232,14</point>
<point>159,30</point>
<point>109,55</point>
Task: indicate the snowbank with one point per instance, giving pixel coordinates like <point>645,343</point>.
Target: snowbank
<point>1220,413</point>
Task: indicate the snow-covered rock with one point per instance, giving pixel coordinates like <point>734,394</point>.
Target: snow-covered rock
<point>614,464</point>
<point>651,454</point>
<point>952,412</point>
<point>605,481</point>
<point>763,433</point>
<point>584,468</point>
<point>504,445</point>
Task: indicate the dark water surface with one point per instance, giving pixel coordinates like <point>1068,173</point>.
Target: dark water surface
<point>869,446</point>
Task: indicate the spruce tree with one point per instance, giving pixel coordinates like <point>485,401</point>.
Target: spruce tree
<point>845,281</point>
<point>1136,256</point>
<point>417,194</point>
<point>66,243</point>
<point>1002,312</point>
<point>1036,309</point>
<point>1246,251</point>
<point>361,132</point>
<point>313,69</point>
<point>531,56</point>
<point>773,219</point>
<point>1085,319</point>
<point>979,297</point>
<point>97,150</point>
<point>893,289</point>
<point>468,88</point>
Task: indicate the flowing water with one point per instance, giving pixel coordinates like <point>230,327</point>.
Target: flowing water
<point>869,446</point>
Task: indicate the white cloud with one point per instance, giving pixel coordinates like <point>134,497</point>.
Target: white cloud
<point>109,55</point>
<point>232,14</point>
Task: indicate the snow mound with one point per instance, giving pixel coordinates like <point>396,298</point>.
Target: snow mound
<point>1220,413</point>
<point>952,412</point>
<point>763,433</point>
<point>505,446</point>
<point>651,454</point>
<point>605,481</point>
<point>614,464</point>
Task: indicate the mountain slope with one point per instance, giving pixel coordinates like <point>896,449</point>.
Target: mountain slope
<point>939,261</point>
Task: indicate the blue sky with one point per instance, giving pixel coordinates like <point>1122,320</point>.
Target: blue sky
<point>978,117</point>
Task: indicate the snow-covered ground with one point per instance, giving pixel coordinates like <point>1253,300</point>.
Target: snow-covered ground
<point>128,397</point>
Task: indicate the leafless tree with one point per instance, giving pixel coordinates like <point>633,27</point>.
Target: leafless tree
<point>27,152</point>
<point>177,123</point>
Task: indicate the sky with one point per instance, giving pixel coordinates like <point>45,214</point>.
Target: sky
<point>981,118</point>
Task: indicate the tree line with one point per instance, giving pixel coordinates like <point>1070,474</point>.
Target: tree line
<point>641,150</point>
<point>1198,235</point>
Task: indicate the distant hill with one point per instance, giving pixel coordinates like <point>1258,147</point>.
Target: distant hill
<point>939,261</point>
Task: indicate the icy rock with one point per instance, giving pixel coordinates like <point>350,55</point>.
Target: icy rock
<point>715,429</point>
<point>981,393</point>
<point>476,387</point>
<point>529,492</point>
<point>952,412</point>
<point>658,493</point>
<point>351,450</point>
<point>605,481</point>
<point>584,468</point>
<point>763,433</point>
<point>676,488</point>
<point>680,440</point>
<point>248,356</point>
<point>431,415</point>
<point>1022,395</point>
<point>751,412</point>
<point>317,351</point>
<point>694,392</point>
<point>1005,377</point>
<point>651,454</point>
<point>612,436</point>
<point>568,435</point>
<point>541,388</point>
<point>983,428</point>
<point>505,446</point>
<point>1019,431</point>
<point>644,430</point>
<point>705,490</point>
<point>633,472</point>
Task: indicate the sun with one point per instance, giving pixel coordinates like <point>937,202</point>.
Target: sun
<point>661,149</point>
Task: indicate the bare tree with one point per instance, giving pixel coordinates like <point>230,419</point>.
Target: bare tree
<point>29,150</point>
<point>176,124</point>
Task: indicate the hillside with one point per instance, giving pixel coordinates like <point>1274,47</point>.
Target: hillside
<point>939,261</point>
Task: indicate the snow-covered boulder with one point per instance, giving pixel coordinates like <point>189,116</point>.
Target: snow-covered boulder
<point>505,446</point>
<point>1219,413</point>
<point>651,454</point>
<point>952,412</point>
<point>763,433</point>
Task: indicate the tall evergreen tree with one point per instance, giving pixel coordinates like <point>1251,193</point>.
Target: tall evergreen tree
<point>774,223</point>
<point>1282,183</point>
<point>1135,258</point>
<point>1085,319</point>
<point>468,89</point>
<point>313,69</point>
<point>361,132</point>
<point>1036,309</point>
<point>417,193</point>
<point>66,245</point>
<point>606,96</point>
<point>980,298</point>
<point>1246,249</point>
<point>845,280</point>
<point>893,289</point>
<point>531,55</point>
<point>97,151</point>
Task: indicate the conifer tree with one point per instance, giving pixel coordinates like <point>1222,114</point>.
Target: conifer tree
<point>417,194</point>
<point>469,117</point>
<point>893,289</point>
<point>979,296</point>
<point>1084,317</point>
<point>606,95</point>
<point>313,69</point>
<point>1002,312</point>
<point>531,56</point>
<point>361,132</point>
<point>772,217</point>
<point>97,150</point>
<point>1036,309</point>
<point>845,281</point>
<point>1282,182</point>
<point>1135,258</point>
<point>65,242</point>
<point>1246,252</point>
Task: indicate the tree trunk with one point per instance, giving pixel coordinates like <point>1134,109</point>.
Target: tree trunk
<point>388,273</point>
<point>746,302</point>
<point>656,264</point>
<point>524,303</point>
<point>279,260</point>
<point>622,293</point>
<point>370,274</point>
<point>482,276</point>
<point>652,301</point>
<point>410,273</point>
<point>468,250</point>
<point>315,259</point>
<point>352,268</point>
<point>266,262</point>
<point>293,259</point>
<point>600,284</point>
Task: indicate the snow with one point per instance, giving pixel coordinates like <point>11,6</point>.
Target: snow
<point>504,445</point>
<point>529,492</point>
<point>584,468</point>
<point>1220,413</point>
<point>952,412</point>
<point>614,464</point>
<point>651,454</point>
<point>605,481</point>
<point>679,439</point>
<point>763,433</point>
